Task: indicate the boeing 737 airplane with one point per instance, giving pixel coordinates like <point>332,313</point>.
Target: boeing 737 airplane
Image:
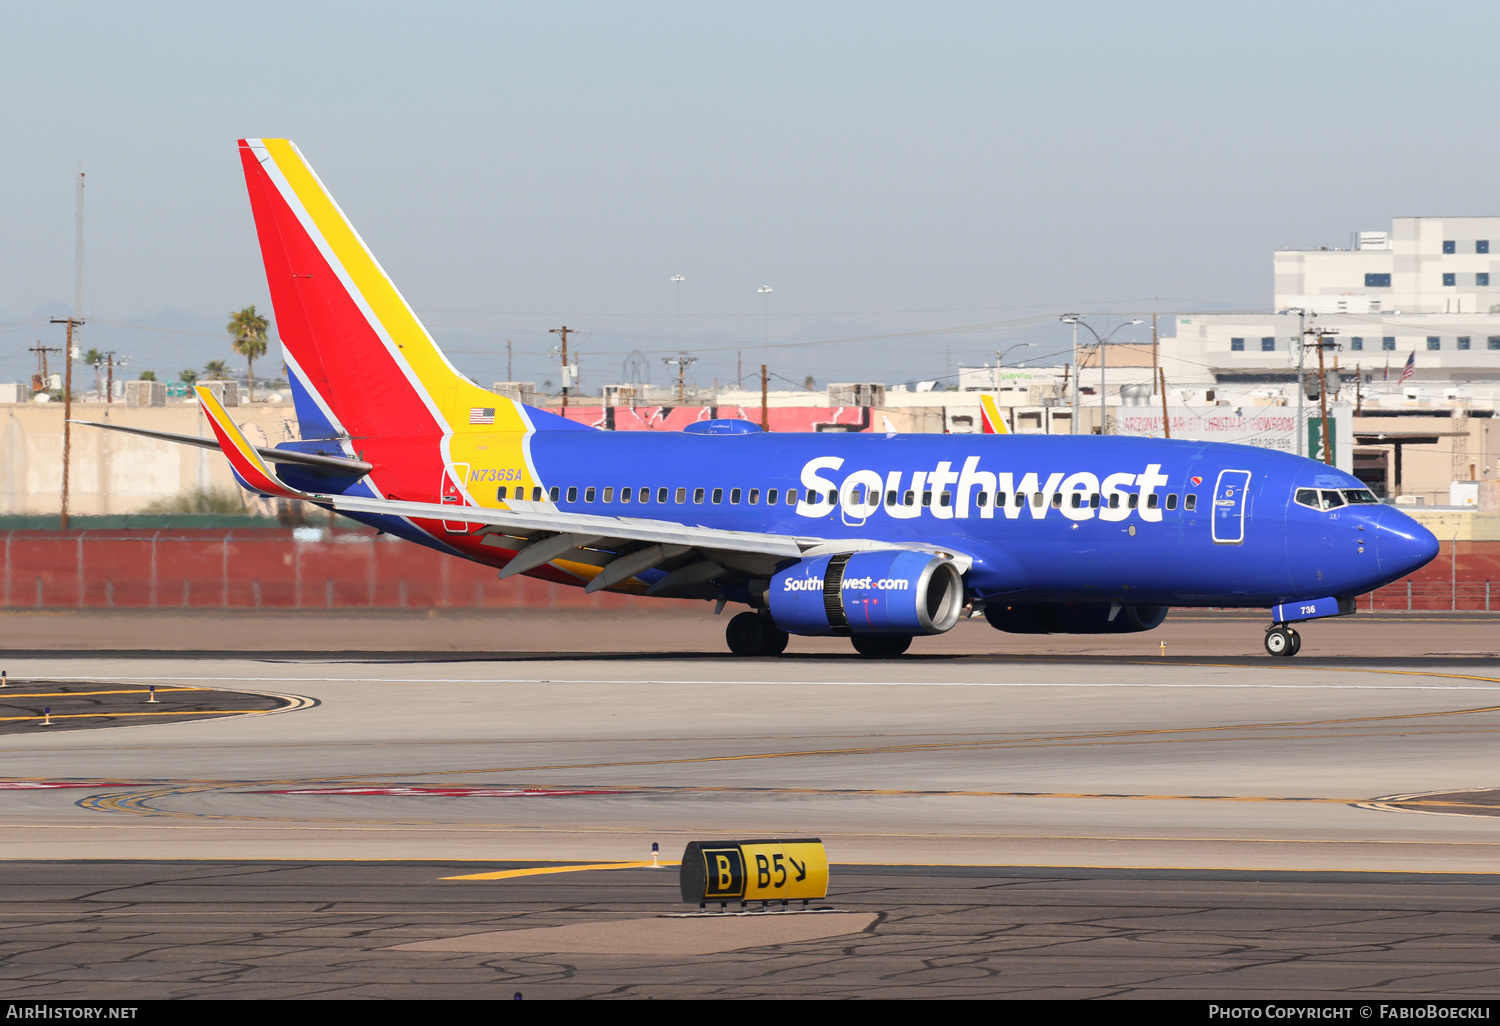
<point>875,537</point>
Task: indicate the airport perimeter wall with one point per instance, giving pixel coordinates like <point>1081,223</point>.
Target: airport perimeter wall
<point>261,569</point>
<point>271,569</point>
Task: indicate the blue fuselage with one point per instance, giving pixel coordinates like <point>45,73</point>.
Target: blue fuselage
<point>1044,518</point>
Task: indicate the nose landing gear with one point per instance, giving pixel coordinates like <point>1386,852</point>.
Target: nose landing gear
<point>1282,641</point>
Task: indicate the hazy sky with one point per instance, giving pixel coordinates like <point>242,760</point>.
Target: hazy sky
<point>953,175</point>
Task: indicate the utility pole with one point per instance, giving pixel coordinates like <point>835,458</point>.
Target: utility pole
<point>41,352</point>
<point>683,362</point>
<point>1301,360</point>
<point>510,372</point>
<point>765,414</point>
<point>563,332</point>
<point>1166,423</point>
<point>110,386</point>
<point>71,322</point>
<point>1320,340</point>
<point>1359,396</point>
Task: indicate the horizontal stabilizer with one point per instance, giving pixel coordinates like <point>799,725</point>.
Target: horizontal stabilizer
<point>313,461</point>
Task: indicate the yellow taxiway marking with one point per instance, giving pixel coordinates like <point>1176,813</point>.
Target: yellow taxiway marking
<point>75,694</point>
<point>507,874</point>
<point>97,715</point>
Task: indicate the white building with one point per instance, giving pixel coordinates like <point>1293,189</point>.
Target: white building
<point>1430,286</point>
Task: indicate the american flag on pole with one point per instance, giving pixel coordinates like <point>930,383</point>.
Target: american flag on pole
<point>482,415</point>
<point>1411,365</point>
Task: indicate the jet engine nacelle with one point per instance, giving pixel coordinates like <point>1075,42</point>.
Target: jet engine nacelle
<point>1079,618</point>
<point>888,591</point>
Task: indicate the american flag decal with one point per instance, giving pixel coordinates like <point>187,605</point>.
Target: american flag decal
<point>482,415</point>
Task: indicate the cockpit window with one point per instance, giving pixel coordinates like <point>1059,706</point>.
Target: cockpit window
<point>1330,498</point>
<point>1360,496</point>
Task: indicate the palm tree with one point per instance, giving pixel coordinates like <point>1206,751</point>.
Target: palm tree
<point>94,358</point>
<point>148,375</point>
<point>216,370</point>
<point>248,329</point>
<point>188,377</point>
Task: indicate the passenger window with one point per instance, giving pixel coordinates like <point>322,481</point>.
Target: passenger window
<point>1152,501</point>
<point>1057,500</point>
<point>1172,501</point>
<point>771,497</point>
<point>1134,501</point>
<point>609,495</point>
<point>946,499</point>
<point>754,497</point>
<point>833,496</point>
<point>791,496</point>
<point>1038,499</point>
<point>734,496</point>
<point>1077,500</point>
<point>681,496</point>
<point>645,495</point>
<point>661,495</point>
<point>910,499</point>
<point>1093,501</point>
<point>501,494</point>
<point>999,499</point>
<point>698,495</point>
<point>624,494</point>
<point>1020,499</point>
<point>588,494</point>
<point>927,498</point>
<point>890,498</point>
<point>536,494</point>
<point>1190,501</point>
<point>572,493</point>
<point>1114,500</point>
<point>982,499</point>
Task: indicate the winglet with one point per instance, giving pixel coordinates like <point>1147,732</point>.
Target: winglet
<point>994,423</point>
<point>246,462</point>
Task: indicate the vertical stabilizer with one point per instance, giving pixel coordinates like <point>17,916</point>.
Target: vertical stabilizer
<point>360,361</point>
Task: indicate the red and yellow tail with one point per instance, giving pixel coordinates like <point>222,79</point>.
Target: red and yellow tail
<point>989,411</point>
<point>366,364</point>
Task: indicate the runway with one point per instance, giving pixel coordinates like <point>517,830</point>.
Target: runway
<point>1323,773</point>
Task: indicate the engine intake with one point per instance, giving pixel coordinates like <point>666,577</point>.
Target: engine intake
<point>888,591</point>
<point>1073,618</point>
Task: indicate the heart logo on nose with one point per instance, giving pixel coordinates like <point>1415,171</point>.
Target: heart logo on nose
<point>1197,480</point>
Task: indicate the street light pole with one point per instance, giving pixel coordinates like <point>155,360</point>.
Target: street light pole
<point>1073,320</point>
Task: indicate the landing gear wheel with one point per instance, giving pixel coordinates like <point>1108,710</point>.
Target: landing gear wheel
<point>1282,642</point>
<point>749,635</point>
<point>881,646</point>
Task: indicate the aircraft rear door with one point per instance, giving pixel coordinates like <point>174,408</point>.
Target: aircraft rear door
<point>454,474</point>
<point>1229,506</point>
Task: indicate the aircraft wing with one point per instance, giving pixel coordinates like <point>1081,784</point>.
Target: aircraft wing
<point>611,549</point>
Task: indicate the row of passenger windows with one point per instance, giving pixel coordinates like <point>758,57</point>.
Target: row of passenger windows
<point>752,497</point>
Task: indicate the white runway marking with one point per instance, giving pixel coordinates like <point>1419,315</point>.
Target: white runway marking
<point>1495,685</point>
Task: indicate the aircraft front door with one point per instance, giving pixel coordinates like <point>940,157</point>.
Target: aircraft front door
<point>452,494</point>
<point>1229,506</point>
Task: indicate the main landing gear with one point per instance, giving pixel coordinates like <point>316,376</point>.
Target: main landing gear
<point>1282,641</point>
<point>749,634</point>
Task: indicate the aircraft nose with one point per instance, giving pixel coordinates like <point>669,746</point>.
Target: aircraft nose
<point>1401,544</point>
